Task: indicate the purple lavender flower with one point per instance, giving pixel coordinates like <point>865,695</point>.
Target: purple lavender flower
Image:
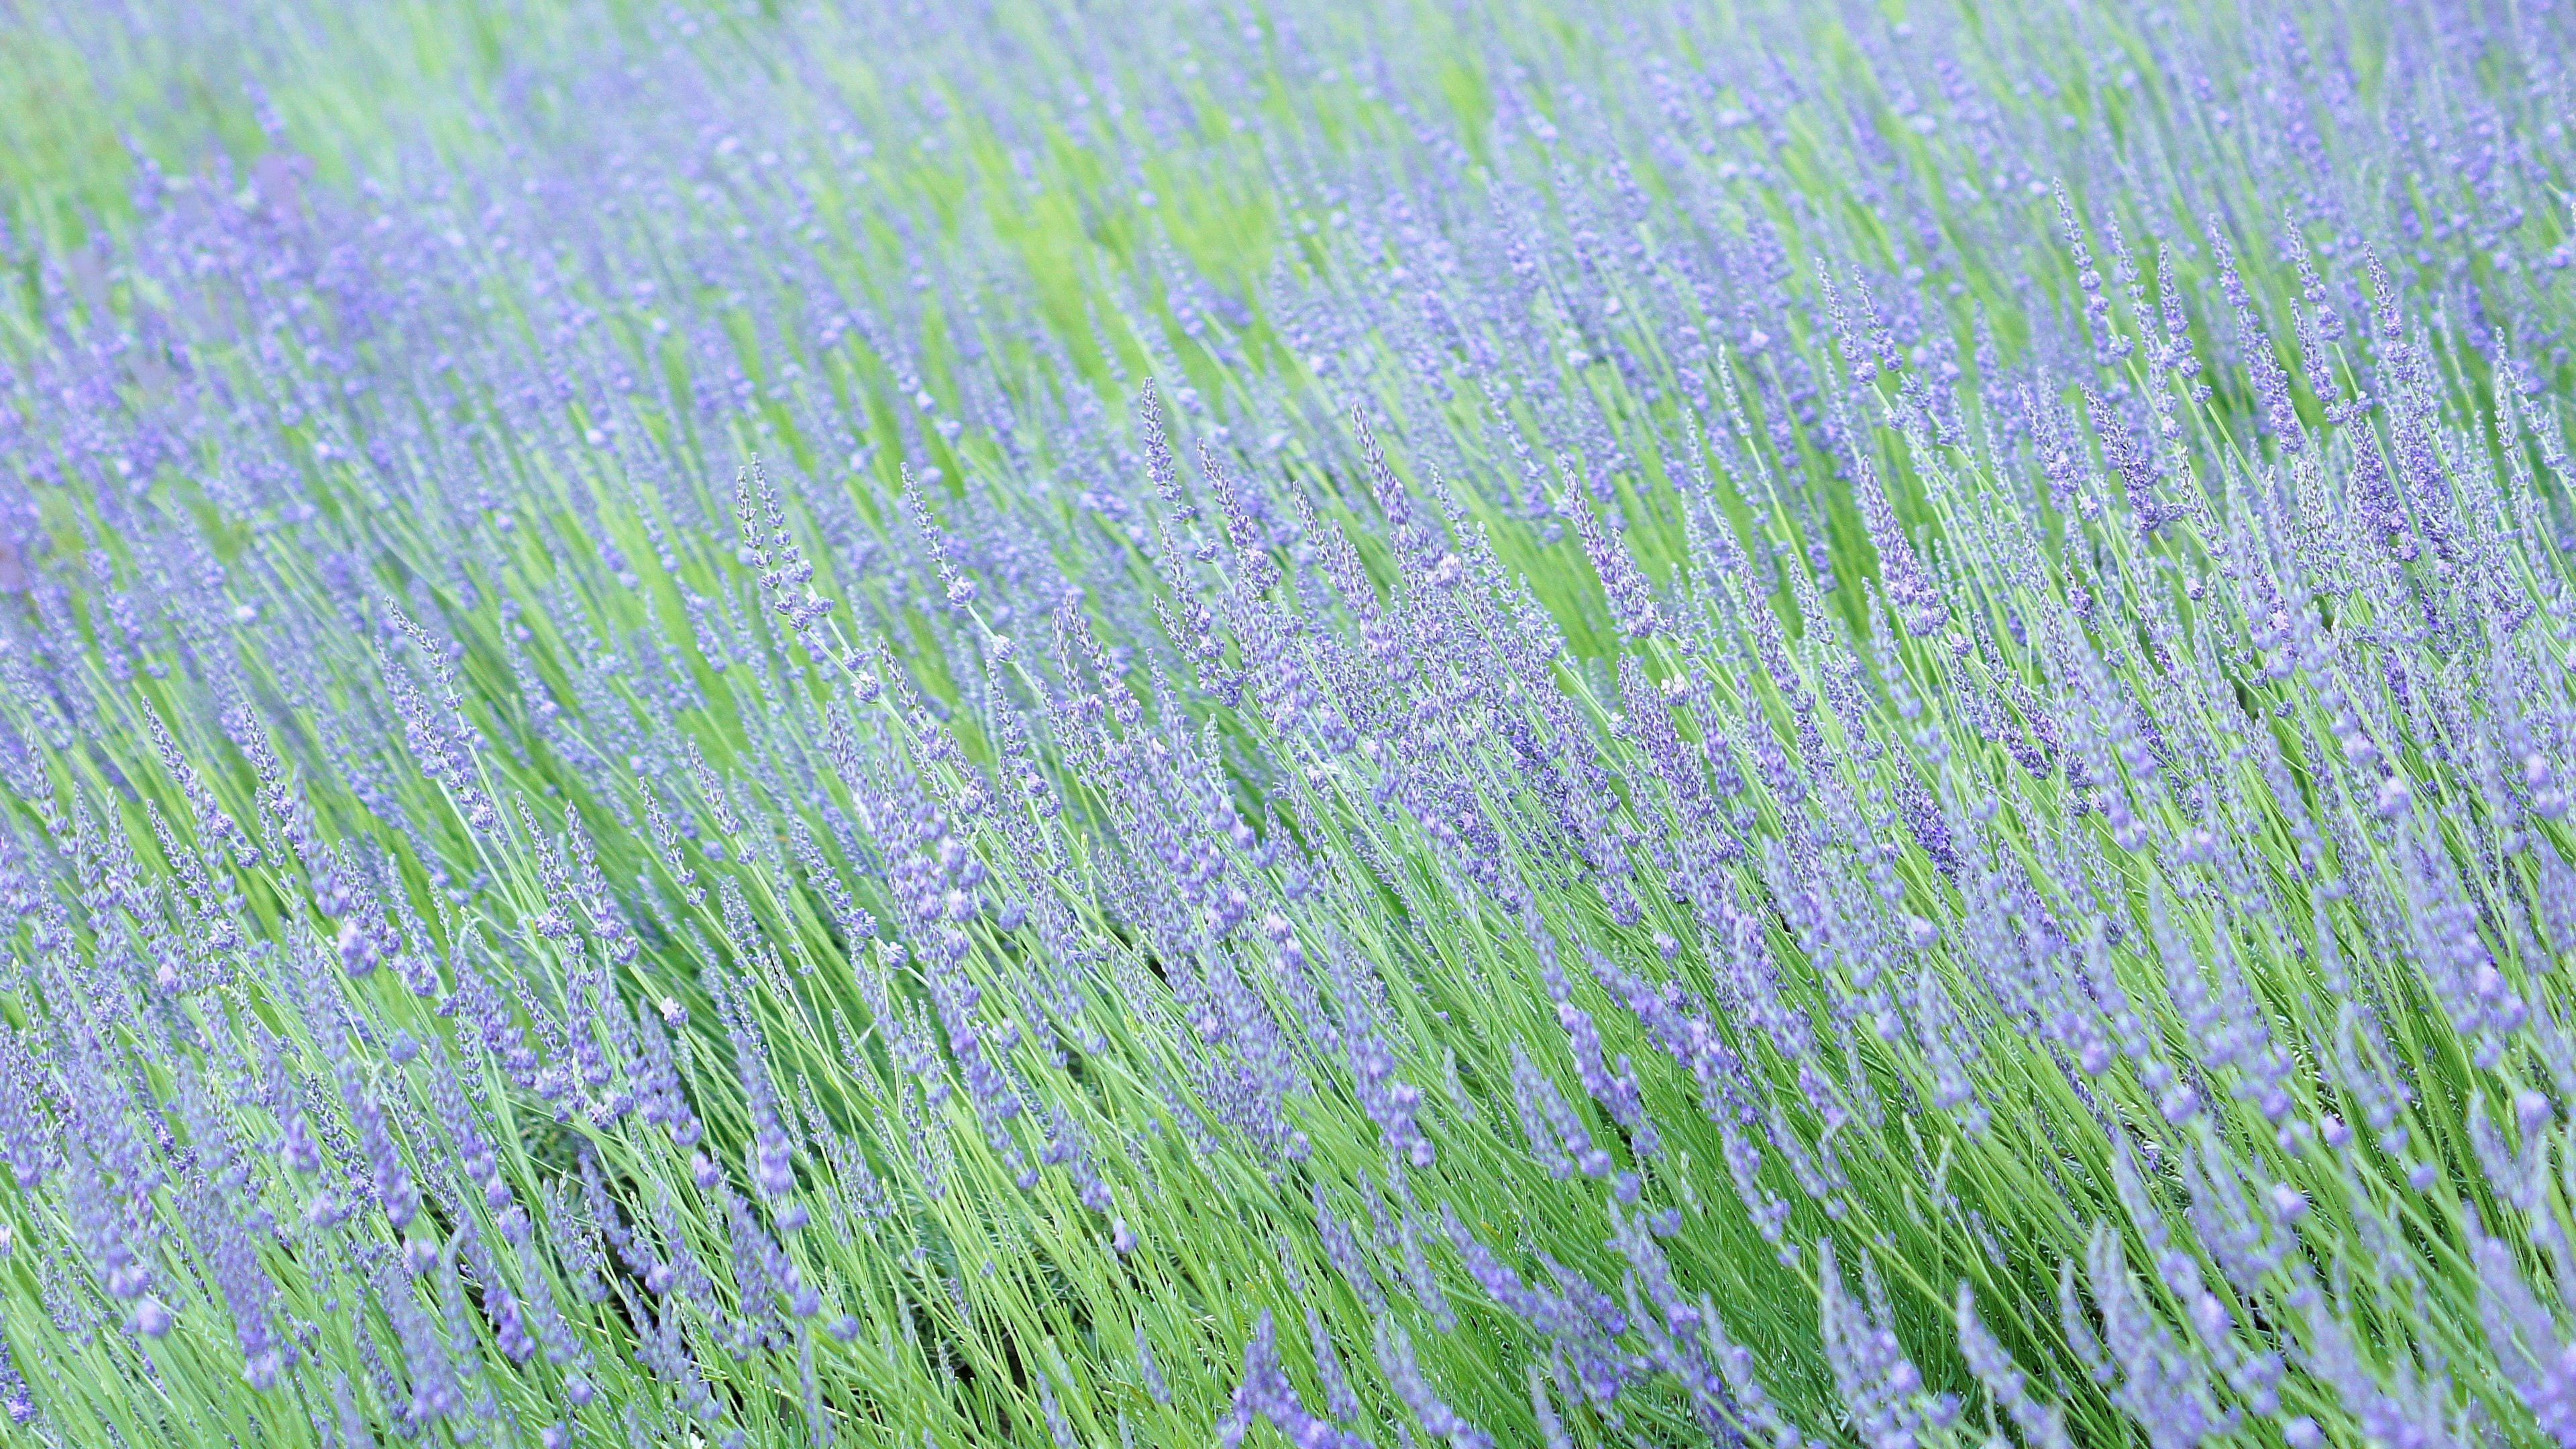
<point>1265,1393</point>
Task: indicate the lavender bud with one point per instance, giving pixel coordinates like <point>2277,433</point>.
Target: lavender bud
<point>153,1319</point>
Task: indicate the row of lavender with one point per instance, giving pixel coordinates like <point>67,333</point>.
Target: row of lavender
<point>1539,727</point>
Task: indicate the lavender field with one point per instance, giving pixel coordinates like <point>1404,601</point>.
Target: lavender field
<point>1276,722</point>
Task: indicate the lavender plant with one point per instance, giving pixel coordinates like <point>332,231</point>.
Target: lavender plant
<point>814,724</point>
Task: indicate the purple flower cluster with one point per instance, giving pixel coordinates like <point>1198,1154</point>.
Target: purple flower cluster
<point>1800,728</point>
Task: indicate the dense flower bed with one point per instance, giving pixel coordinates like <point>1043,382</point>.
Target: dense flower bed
<point>1514,724</point>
